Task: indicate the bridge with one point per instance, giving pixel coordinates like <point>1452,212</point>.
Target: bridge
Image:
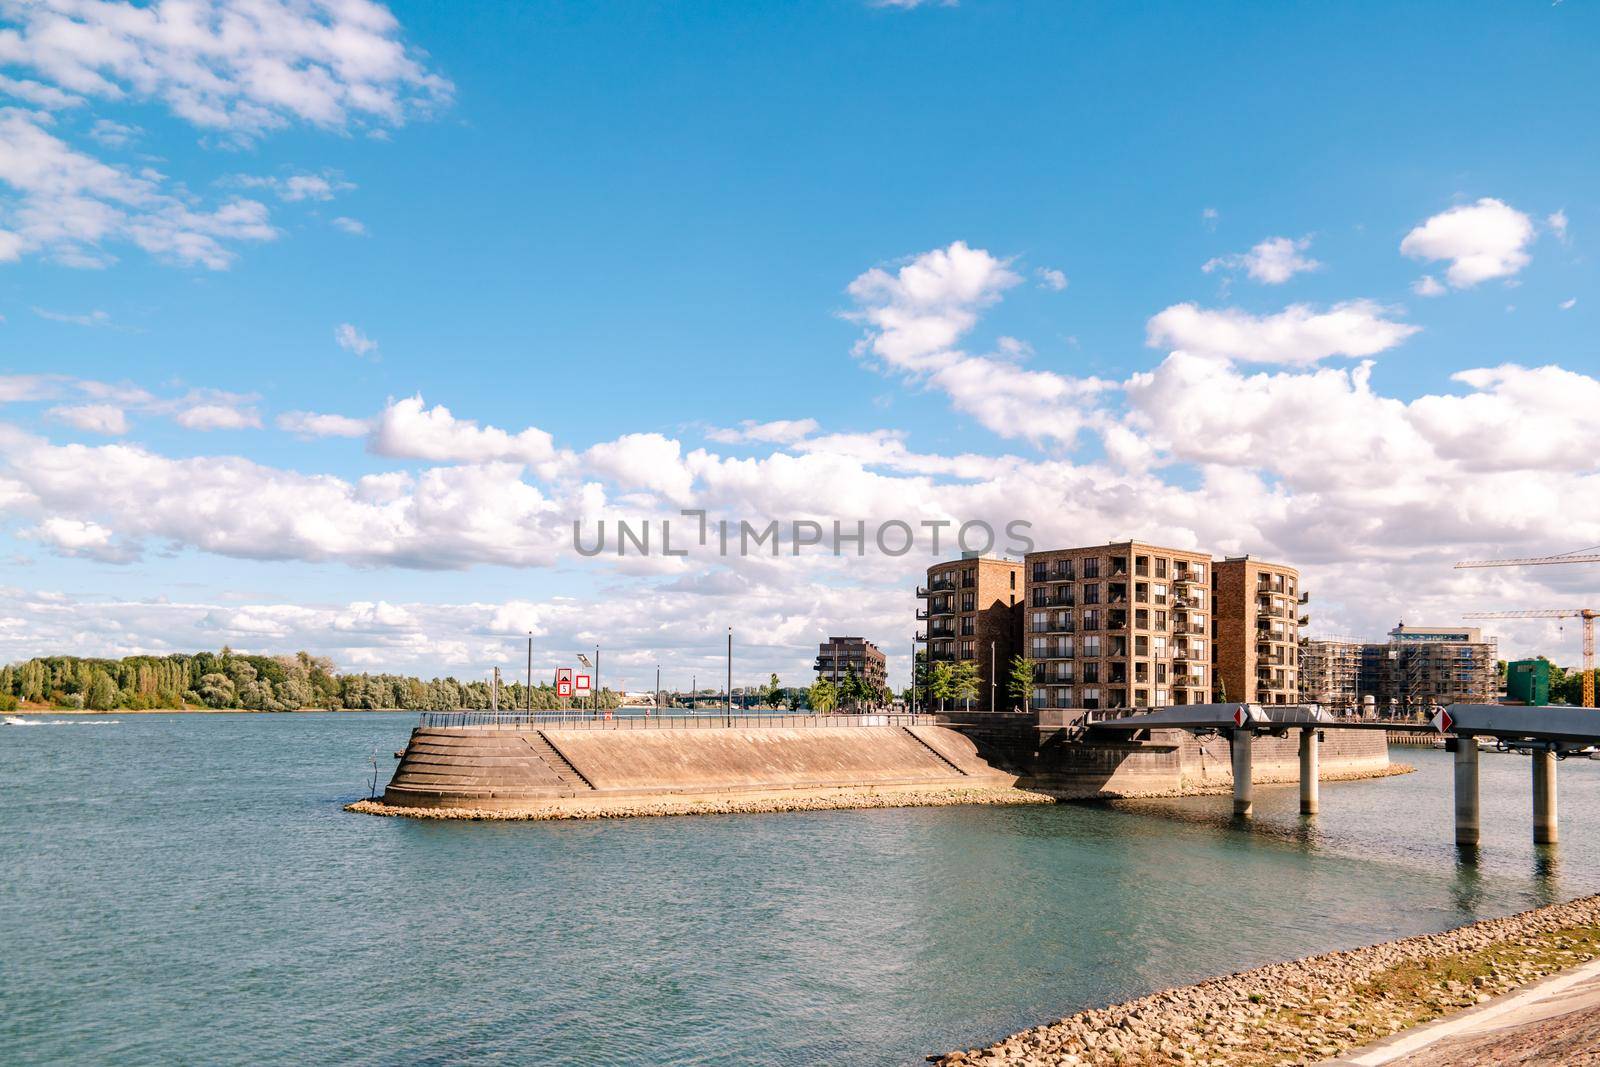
<point>1550,733</point>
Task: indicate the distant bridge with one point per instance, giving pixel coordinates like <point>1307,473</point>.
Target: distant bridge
<point>1549,732</point>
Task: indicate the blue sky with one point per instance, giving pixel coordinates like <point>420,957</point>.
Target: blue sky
<point>602,221</point>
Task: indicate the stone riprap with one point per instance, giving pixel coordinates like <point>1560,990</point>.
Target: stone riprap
<point>1314,1009</point>
<point>621,808</point>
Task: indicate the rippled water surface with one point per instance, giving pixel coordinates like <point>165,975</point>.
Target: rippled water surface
<point>187,889</point>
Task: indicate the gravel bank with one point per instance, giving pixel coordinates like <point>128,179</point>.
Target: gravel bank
<point>831,800</point>
<point>1313,1009</point>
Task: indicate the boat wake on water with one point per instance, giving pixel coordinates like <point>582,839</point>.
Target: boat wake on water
<point>12,720</point>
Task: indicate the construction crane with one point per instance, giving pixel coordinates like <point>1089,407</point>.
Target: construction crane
<point>1587,555</point>
<point>1588,616</point>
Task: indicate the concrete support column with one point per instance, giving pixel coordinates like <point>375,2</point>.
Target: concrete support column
<point>1309,772</point>
<point>1243,794</point>
<point>1466,792</point>
<point>1544,796</point>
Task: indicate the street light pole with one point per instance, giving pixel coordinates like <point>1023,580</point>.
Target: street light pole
<point>658,687</point>
<point>530,671</point>
<point>727,708</point>
<point>993,679</point>
<point>596,677</point>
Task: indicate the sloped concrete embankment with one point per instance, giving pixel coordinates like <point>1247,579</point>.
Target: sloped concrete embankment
<point>593,771</point>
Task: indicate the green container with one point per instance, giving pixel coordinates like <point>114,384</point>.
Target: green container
<point>1528,682</point>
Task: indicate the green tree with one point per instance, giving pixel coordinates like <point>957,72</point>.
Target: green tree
<point>964,682</point>
<point>102,695</point>
<point>775,692</point>
<point>1019,682</point>
<point>824,696</point>
<point>217,691</point>
<point>941,682</point>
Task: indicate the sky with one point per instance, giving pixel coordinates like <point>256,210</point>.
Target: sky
<point>324,321</point>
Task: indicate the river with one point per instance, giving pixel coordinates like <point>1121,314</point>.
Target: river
<point>186,888</point>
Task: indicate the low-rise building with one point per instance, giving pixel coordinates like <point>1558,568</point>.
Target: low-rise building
<point>1420,666</point>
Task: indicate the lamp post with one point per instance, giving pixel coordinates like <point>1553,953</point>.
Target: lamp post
<point>727,704</point>
<point>529,686</point>
<point>993,680</point>
<point>658,687</point>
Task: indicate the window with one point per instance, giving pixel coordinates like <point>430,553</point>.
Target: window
<point>1141,698</point>
<point>1197,571</point>
<point>969,601</point>
<point>1091,567</point>
<point>1063,621</point>
<point>1041,647</point>
<point>1038,622</point>
<point>1197,597</point>
<point>1091,645</point>
<point>1158,647</point>
<point>1141,619</point>
<point>1161,620</point>
<point>1161,567</point>
<point>1091,698</point>
<point>1141,564</point>
<point>966,650</point>
<point>966,625</point>
<point>1141,592</point>
<point>1163,697</point>
<point>1040,569</point>
<point>1040,698</point>
<point>1197,648</point>
<point>1091,619</point>
<point>1063,698</point>
<point>1091,593</point>
<point>1141,645</point>
<point>1160,591</point>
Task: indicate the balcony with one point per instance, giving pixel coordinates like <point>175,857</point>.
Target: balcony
<point>1184,578</point>
<point>942,584</point>
<point>1063,626</point>
<point>922,614</point>
<point>920,637</point>
<point>941,632</point>
<point>1305,598</point>
<point>1060,599</point>
<point>922,592</point>
<point>943,609</point>
<point>1116,620</point>
<point>1304,620</point>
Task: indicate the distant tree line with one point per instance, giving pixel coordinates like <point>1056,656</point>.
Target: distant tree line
<point>231,680</point>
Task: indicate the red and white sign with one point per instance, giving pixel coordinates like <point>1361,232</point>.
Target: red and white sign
<point>581,683</point>
<point>1241,716</point>
<point>1442,721</point>
<point>564,687</point>
<point>563,674</point>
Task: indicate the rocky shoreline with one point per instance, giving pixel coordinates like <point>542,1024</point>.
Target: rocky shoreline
<point>1312,1009</point>
<point>622,808</point>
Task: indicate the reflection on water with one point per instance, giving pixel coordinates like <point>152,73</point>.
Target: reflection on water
<point>187,888</point>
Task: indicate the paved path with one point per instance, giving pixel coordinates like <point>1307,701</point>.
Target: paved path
<point>1553,1021</point>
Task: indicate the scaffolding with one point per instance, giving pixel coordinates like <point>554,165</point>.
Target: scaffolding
<point>1330,671</point>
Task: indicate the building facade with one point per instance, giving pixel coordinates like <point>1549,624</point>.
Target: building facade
<point>1124,624</point>
<point>1330,673</point>
<point>838,656</point>
<point>1421,666</point>
<point>974,612</point>
<point>1257,634</point>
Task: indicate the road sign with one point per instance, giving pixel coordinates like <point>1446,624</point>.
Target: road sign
<point>1442,721</point>
<point>581,683</point>
<point>1240,717</point>
<point>563,674</point>
<point>564,687</point>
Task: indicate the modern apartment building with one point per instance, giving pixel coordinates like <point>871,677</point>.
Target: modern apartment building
<point>973,612</point>
<point>838,656</point>
<point>1330,673</point>
<point>1124,624</point>
<point>1258,620</point>
<point>1421,666</point>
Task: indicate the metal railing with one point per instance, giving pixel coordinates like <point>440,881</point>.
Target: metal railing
<point>643,719</point>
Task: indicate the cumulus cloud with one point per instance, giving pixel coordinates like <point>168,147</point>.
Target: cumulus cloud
<point>71,206</point>
<point>89,540</point>
<point>237,66</point>
<point>916,315</point>
<point>1569,303</point>
<point>95,418</point>
<point>1272,262</point>
<point>1557,221</point>
<point>1484,240</point>
<point>296,187</point>
<point>312,424</point>
<point>1428,285</point>
<point>1051,279</point>
<point>354,227</point>
<point>353,340</point>
<point>211,409</point>
<point>406,429</point>
<point>1298,335</point>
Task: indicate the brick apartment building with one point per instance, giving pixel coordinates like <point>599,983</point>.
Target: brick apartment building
<point>838,656</point>
<point>974,612</point>
<point>1257,609</point>
<point>1124,624</point>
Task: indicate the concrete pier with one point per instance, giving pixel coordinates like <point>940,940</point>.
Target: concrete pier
<point>1544,796</point>
<point>1243,793</point>
<point>1309,772</point>
<point>1466,792</point>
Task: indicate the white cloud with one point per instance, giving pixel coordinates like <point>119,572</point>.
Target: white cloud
<point>237,66</point>
<point>1272,261</point>
<point>1298,335</point>
<point>353,340</point>
<point>1557,221</point>
<point>297,187</point>
<point>114,134</point>
<point>909,5</point>
<point>89,540</point>
<point>1427,285</point>
<point>95,418</point>
<point>406,429</point>
<point>39,95</point>
<point>916,315</point>
<point>645,461</point>
<point>779,431</point>
<point>88,318</point>
<point>1209,217</point>
<point>1569,303</point>
<point>312,424</point>
<point>216,410</point>
<point>69,206</point>
<point>354,227</point>
<point>1488,239</point>
<point>1051,279</point>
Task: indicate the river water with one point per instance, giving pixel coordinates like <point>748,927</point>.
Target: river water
<point>188,889</point>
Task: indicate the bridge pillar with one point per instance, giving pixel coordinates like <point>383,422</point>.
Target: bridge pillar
<point>1544,796</point>
<point>1309,771</point>
<point>1243,794</point>
<point>1466,792</point>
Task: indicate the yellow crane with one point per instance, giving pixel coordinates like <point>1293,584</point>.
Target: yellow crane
<point>1587,615</point>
